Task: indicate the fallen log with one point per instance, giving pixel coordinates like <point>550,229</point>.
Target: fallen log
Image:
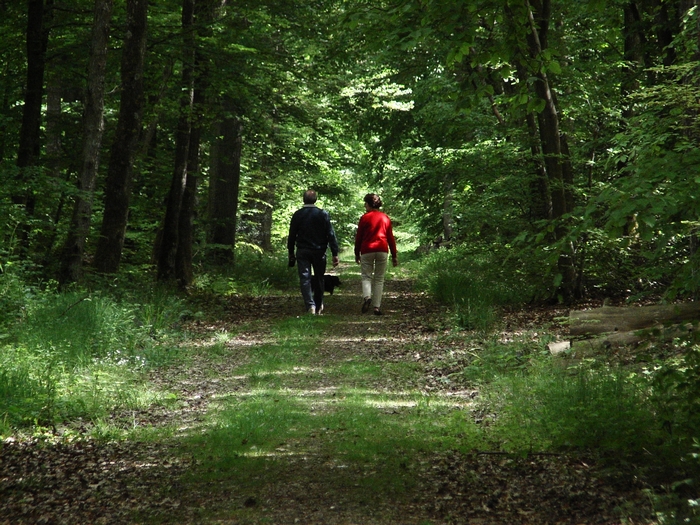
<point>611,319</point>
<point>635,338</point>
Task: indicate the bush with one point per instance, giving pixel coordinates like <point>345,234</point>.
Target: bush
<point>79,327</point>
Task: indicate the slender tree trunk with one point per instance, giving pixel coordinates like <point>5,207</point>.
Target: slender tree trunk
<point>205,12</point>
<point>667,26</point>
<point>183,256</point>
<point>54,156</point>
<point>166,252</point>
<point>37,41</point>
<point>554,146</point>
<point>30,131</point>
<point>123,152</point>
<point>267,203</point>
<point>93,127</point>
<point>223,187</point>
<point>4,109</point>
<point>447,207</point>
<point>634,56</point>
<point>539,188</point>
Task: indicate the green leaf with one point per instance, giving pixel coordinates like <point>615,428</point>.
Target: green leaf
<point>554,67</point>
<point>558,278</point>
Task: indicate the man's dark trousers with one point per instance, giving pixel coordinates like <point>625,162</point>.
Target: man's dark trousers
<point>306,261</point>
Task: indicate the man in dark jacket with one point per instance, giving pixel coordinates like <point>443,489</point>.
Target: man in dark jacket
<point>311,232</point>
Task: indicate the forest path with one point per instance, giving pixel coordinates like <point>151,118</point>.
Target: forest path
<point>285,418</point>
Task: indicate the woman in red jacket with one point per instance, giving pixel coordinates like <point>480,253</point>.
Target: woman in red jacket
<point>373,241</point>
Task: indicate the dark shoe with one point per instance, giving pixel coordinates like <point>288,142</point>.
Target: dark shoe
<point>366,304</point>
<point>377,311</point>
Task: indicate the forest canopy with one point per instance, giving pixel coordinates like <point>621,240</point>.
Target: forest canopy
<point>553,143</point>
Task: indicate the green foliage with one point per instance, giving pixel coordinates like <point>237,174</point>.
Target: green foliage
<point>552,408</point>
<point>254,272</point>
<point>475,282</point>
<point>493,359</point>
<point>78,327</point>
<point>79,354</point>
<point>676,389</point>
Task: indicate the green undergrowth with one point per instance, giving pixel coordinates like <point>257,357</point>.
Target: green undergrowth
<point>475,282</point>
<point>79,356</point>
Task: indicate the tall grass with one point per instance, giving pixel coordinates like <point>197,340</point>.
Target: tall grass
<point>474,283</point>
<point>552,408</point>
<point>253,272</point>
<point>78,354</point>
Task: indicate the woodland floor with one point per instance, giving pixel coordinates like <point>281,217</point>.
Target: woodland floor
<point>123,482</point>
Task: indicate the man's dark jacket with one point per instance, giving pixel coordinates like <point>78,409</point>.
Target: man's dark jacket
<point>311,229</point>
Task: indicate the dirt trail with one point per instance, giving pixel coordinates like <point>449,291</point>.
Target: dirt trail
<point>85,482</point>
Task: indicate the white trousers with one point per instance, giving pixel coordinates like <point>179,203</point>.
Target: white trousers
<point>373,269</point>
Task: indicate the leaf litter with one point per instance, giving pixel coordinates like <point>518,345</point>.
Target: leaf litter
<point>57,480</point>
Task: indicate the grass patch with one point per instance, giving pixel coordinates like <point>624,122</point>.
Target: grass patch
<point>82,355</point>
<point>552,408</point>
<point>343,420</point>
<point>474,282</point>
<point>354,429</point>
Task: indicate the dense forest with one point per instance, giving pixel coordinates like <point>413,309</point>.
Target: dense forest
<point>557,138</point>
<point>531,153</point>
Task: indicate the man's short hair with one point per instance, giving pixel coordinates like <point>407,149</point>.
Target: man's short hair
<point>310,197</point>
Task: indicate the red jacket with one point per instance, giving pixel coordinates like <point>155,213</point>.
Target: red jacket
<point>374,234</point>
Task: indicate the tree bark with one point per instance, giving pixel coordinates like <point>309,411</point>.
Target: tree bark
<point>633,53</point>
<point>448,207</point>
<point>166,251</point>
<point>183,256</point>
<point>554,147</point>
<point>37,41</point>
<point>223,187</point>
<point>93,128</point>
<point>118,184</point>
<point>204,14</point>
<point>609,319</point>
<point>267,203</point>
<point>54,157</point>
<point>30,130</point>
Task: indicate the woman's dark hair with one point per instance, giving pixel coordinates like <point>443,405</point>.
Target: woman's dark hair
<point>373,200</point>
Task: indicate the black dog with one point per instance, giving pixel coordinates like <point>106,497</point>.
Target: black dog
<point>330,282</point>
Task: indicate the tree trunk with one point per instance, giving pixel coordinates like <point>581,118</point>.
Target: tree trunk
<point>448,207</point>
<point>183,256</point>
<point>5,109</point>
<point>541,208</point>
<point>633,53</point>
<point>93,127</point>
<point>554,148</point>
<point>609,319</point>
<point>54,156</point>
<point>204,15</point>
<point>166,251</point>
<point>223,188</point>
<point>119,173</point>
<point>267,200</point>
<point>30,130</point>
